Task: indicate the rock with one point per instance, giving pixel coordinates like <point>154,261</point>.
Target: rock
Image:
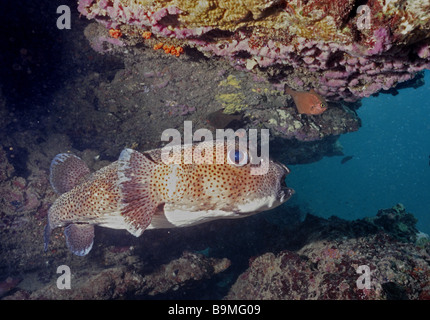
<point>397,222</point>
<point>328,270</point>
<point>8,285</point>
<point>182,272</point>
<point>330,252</point>
<point>120,281</point>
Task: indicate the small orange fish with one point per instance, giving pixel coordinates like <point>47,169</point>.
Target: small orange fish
<point>307,102</point>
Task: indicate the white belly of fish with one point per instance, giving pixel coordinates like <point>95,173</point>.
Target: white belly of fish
<point>180,218</point>
<point>114,221</point>
<point>175,217</point>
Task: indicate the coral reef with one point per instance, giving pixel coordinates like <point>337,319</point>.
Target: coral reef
<point>325,267</point>
<point>316,258</point>
<point>93,98</point>
<point>25,197</point>
<point>343,50</point>
<point>313,259</point>
<point>397,222</point>
<point>145,92</point>
<point>328,270</point>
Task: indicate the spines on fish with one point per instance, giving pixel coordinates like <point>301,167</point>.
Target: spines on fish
<point>289,91</point>
<point>66,172</point>
<point>138,202</point>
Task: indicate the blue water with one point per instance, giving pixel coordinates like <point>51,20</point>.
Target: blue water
<point>390,162</point>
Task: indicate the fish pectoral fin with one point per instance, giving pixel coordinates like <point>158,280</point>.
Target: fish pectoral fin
<point>66,172</point>
<point>138,204</point>
<point>79,238</point>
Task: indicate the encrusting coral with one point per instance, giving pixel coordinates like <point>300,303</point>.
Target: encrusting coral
<point>344,50</point>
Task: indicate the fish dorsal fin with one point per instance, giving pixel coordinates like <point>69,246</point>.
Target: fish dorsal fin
<point>312,91</point>
<point>66,172</point>
<point>138,204</point>
<point>288,90</point>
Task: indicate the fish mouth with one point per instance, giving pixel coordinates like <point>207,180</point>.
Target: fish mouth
<point>285,191</point>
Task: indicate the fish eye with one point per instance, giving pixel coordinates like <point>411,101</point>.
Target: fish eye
<point>237,157</point>
<point>323,105</point>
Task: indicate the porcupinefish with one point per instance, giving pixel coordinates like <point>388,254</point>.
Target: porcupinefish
<point>307,102</point>
<point>139,191</point>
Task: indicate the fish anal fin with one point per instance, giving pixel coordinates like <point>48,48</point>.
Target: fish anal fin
<point>79,238</point>
<point>66,172</point>
<point>138,204</point>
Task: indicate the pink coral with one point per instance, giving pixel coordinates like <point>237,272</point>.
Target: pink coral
<point>98,44</point>
<point>351,65</point>
<point>381,41</point>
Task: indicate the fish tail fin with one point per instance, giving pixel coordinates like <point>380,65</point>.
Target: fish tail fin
<point>67,171</point>
<point>138,204</point>
<point>79,238</point>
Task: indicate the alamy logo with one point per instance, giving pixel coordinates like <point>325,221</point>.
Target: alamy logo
<point>64,281</point>
<point>363,281</point>
<point>63,21</point>
<point>242,147</point>
<point>363,20</point>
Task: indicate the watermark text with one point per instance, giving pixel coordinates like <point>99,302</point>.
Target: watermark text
<point>242,147</point>
<point>64,281</point>
<point>64,21</point>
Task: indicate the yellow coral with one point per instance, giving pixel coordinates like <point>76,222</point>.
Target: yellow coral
<point>232,15</point>
<point>223,14</point>
<point>230,81</point>
<point>232,102</point>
